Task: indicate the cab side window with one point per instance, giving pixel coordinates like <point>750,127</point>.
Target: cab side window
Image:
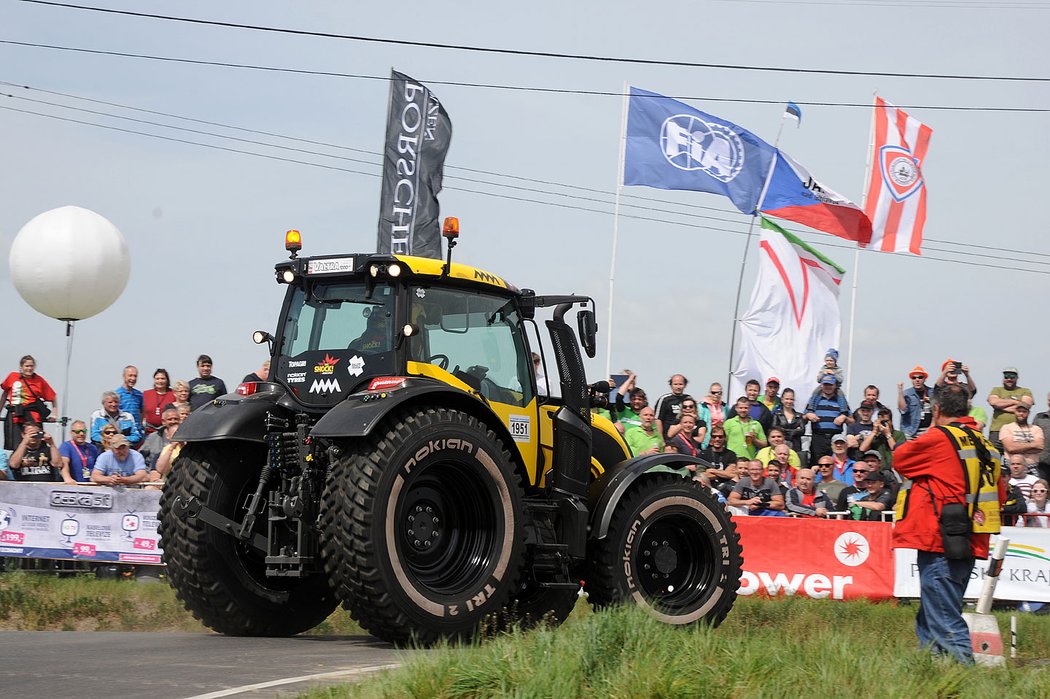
<point>475,336</point>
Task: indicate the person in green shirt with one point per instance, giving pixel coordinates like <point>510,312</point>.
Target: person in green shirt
<point>645,439</point>
<point>744,435</point>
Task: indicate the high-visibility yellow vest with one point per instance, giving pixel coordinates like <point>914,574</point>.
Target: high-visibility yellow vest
<point>982,480</point>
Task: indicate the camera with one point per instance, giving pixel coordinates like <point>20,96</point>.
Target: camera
<point>957,367</point>
<point>39,435</point>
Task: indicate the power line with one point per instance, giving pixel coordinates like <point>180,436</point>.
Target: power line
<point>954,250</point>
<point>530,54</point>
<point>511,88</point>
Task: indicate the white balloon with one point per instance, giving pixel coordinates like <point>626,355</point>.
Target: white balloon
<point>70,263</point>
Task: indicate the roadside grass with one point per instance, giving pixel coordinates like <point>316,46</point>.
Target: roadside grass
<point>44,602</point>
<point>784,648</point>
<point>773,648</point>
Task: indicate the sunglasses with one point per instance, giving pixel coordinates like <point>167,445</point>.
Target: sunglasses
<point>78,431</point>
<point>861,470</point>
<point>825,465</point>
<point>916,376</point>
<point>1009,376</point>
<point>716,393</point>
<point>109,434</point>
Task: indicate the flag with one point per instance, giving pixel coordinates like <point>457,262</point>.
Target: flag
<point>670,145</point>
<point>793,317</point>
<point>418,132</point>
<point>792,111</point>
<point>796,195</point>
<point>896,199</point>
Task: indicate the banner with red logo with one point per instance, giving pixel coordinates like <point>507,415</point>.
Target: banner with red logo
<point>817,558</point>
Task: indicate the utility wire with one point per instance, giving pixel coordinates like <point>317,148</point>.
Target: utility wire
<point>953,250</point>
<point>530,54</point>
<point>513,88</point>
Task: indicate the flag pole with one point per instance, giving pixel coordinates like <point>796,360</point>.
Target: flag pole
<point>616,228</point>
<point>747,247</point>
<point>856,254</point>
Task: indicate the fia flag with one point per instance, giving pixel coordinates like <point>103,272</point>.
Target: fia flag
<point>796,195</point>
<point>670,145</point>
<point>793,317</point>
<point>896,199</point>
<point>418,133</point>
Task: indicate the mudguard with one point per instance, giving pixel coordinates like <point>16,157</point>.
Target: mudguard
<point>358,415</point>
<point>606,491</point>
<point>232,417</point>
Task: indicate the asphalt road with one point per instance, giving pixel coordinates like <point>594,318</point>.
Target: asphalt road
<point>181,665</point>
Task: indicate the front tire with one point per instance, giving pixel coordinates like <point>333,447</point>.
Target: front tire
<point>424,528</point>
<point>220,580</point>
<point>672,549</point>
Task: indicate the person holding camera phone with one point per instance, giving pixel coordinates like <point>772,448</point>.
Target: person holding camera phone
<point>25,393</point>
<point>37,457</point>
<point>947,512</point>
<point>951,371</point>
<point>883,438</point>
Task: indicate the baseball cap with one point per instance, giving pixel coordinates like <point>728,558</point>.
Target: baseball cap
<point>867,405</point>
<point>119,440</point>
<point>773,379</point>
<point>838,438</point>
<point>872,452</point>
<point>1023,406</point>
<point>1010,370</point>
<point>918,371</point>
<point>828,378</point>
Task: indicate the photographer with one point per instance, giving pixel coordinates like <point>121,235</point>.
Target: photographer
<point>37,457</point>
<point>759,494</point>
<point>883,438</point>
<point>950,372</point>
<point>953,503</point>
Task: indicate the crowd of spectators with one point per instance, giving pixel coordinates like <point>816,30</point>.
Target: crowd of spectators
<point>128,440</point>
<point>773,455</point>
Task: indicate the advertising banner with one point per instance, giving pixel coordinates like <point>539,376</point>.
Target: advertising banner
<point>817,558</point>
<point>1025,575</point>
<point>80,523</point>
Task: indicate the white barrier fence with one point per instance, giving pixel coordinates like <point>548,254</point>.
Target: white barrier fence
<point>79,523</point>
<point>1025,576</point>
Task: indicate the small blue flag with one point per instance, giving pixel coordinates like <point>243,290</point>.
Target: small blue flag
<point>793,111</point>
<point>670,145</point>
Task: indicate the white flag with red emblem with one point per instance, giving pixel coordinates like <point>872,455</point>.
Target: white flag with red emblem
<point>793,318</point>
<point>896,197</point>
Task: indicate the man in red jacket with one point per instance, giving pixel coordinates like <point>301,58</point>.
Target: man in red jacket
<point>945,467</point>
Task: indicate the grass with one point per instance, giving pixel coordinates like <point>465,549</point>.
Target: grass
<point>783,648</point>
<point>44,602</point>
<point>779,648</point>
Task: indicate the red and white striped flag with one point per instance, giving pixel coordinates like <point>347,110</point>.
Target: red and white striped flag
<point>896,198</point>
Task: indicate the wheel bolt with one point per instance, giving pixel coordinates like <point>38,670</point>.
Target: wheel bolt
<point>419,508</point>
<point>411,518</point>
<point>426,544</point>
<point>416,543</point>
<point>666,544</point>
<point>429,509</point>
<point>646,566</point>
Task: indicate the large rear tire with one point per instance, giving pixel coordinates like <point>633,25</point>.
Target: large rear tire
<point>220,580</point>
<point>672,549</point>
<point>423,527</point>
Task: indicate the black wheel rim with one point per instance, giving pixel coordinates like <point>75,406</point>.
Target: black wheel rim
<point>448,531</point>
<point>676,565</point>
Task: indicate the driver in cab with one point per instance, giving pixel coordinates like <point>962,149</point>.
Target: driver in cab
<point>376,337</point>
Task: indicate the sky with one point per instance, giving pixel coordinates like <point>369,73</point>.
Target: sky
<point>531,173</point>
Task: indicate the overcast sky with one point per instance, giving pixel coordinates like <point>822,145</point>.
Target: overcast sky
<point>205,226</point>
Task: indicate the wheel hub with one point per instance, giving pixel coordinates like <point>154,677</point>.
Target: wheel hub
<point>424,527</point>
<point>661,558</point>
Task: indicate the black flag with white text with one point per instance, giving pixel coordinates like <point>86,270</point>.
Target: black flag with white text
<point>418,132</point>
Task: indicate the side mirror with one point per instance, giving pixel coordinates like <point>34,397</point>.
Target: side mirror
<point>588,328</point>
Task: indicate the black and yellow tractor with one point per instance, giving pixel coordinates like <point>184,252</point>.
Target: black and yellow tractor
<point>402,460</point>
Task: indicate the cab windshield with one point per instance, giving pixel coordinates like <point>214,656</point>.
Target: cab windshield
<point>339,317</point>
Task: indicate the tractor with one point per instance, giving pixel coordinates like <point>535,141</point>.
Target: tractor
<point>401,460</point>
